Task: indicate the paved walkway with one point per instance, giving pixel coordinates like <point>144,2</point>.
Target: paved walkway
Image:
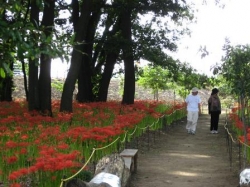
<point>178,159</point>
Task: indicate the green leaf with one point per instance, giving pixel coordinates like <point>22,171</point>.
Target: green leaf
<point>2,73</point>
<point>7,69</point>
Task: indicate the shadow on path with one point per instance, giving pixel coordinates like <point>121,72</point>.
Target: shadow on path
<point>178,159</point>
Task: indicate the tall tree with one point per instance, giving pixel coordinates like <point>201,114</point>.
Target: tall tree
<point>134,39</point>
<point>127,49</point>
<point>108,52</point>
<point>81,25</point>
<point>33,99</point>
<point>88,66</point>
<point>44,83</point>
<point>155,78</point>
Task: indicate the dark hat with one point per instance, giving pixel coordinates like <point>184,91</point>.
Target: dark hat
<point>214,91</point>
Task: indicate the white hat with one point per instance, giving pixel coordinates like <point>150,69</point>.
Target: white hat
<point>195,89</point>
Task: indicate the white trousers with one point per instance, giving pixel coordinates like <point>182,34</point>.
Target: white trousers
<point>192,118</point>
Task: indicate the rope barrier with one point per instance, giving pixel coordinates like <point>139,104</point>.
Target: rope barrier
<point>64,180</point>
<point>134,131</point>
<point>228,132</point>
<point>122,141</point>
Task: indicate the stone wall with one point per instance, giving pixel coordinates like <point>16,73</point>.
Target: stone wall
<point>114,92</point>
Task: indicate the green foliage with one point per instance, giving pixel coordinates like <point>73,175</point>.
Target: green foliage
<point>189,78</point>
<point>85,175</point>
<point>96,80</point>
<point>24,41</point>
<point>162,107</point>
<point>57,84</point>
<point>155,78</point>
<point>181,81</point>
<point>235,69</point>
<point>2,73</point>
<point>20,38</point>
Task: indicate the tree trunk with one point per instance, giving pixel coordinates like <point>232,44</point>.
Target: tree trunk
<point>110,53</point>
<point>76,60</point>
<point>87,73</point>
<point>45,85</point>
<point>45,77</point>
<point>25,81</point>
<point>33,98</point>
<point>85,85</point>
<point>129,79</point>
<point>6,88</point>
<point>106,77</point>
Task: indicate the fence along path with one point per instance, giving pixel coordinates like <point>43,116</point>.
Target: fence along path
<point>178,159</point>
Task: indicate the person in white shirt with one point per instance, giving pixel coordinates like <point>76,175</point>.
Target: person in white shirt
<point>193,102</point>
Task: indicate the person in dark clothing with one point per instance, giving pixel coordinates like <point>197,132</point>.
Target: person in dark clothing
<point>214,108</point>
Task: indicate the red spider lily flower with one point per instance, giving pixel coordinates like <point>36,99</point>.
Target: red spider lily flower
<point>48,148</point>
<point>233,116</point>
<point>239,124</point>
<point>24,137</point>
<point>3,129</point>
<point>63,146</point>
<point>86,136</point>
<point>32,169</point>
<point>24,171</point>
<point>100,138</point>
<point>11,144</point>
<point>45,150</point>
<point>49,132</point>
<point>52,165</point>
<point>110,131</point>
<point>76,132</point>
<point>37,141</point>
<point>53,178</point>
<point>13,176</point>
<point>234,109</point>
<point>64,117</point>
<point>12,159</point>
<point>15,185</point>
<point>241,138</point>
<point>59,166</point>
<point>128,120</point>
<point>23,144</point>
<point>73,155</point>
<point>40,127</point>
<point>68,164</point>
<point>23,151</point>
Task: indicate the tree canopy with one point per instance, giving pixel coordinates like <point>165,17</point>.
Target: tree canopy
<point>101,34</point>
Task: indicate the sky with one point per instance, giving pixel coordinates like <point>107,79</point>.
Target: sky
<point>214,24</point>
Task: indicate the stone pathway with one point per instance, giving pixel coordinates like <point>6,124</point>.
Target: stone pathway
<point>178,159</point>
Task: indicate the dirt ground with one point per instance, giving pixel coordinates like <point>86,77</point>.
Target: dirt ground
<point>178,159</point>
